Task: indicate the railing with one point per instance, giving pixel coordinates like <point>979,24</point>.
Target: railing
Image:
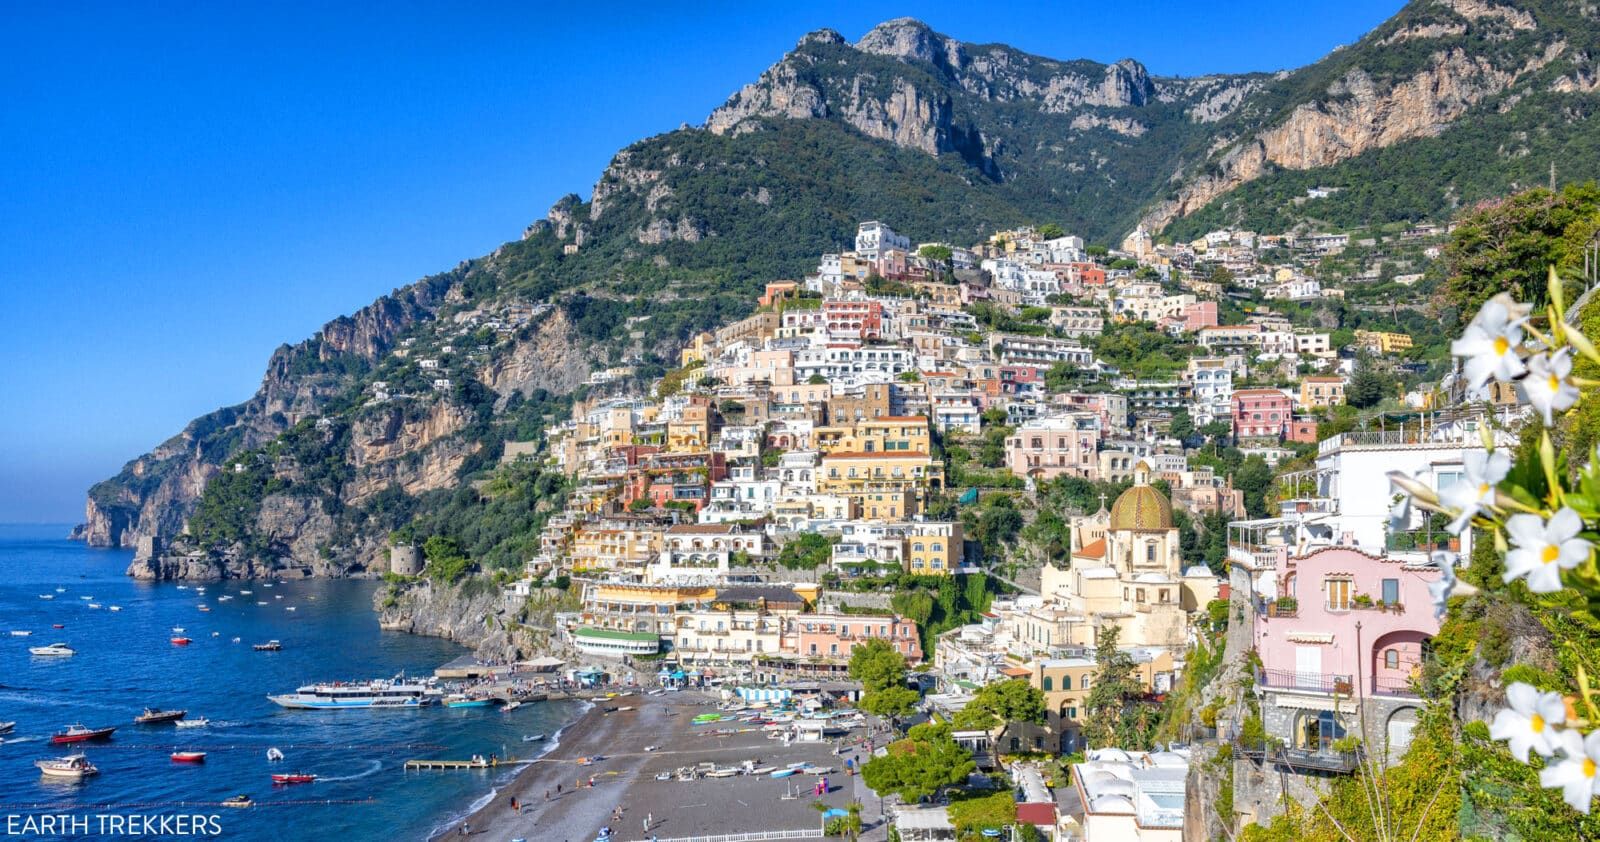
<point>1299,759</point>
<point>1312,682</point>
<point>1399,687</point>
<point>754,836</point>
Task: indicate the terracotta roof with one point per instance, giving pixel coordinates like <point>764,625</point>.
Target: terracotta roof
<point>700,529</point>
<point>1094,549</point>
<point>1016,672</point>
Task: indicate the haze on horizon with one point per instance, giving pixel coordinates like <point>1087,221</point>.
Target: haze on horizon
<point>187,189</point>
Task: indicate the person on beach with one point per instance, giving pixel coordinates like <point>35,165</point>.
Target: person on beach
<point>547,793</point>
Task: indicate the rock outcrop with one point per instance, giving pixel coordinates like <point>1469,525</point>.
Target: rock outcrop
<point>475,615</point>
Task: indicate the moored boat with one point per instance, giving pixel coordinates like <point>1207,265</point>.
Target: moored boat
<point>154,716</point>
<point>269,646</point>
<point>73,767</point>
<point>188,757</point>
<point>238,801</point>
<point>54,650</point>
<point>81,734</point>
<point>383,693</point>
<point>274,755</point>
<point>181,641</point>
<point>461,700</point>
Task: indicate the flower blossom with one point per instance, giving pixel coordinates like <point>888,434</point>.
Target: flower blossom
<point>1475,491</point>
<point>1490,342</point>
<point>1440,591</point>
<point>1542,549</point>
<point>1548,387</point>
<point>1530,721</point>
<point>1575,773</point>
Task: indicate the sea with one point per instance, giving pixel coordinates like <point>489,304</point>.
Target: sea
<point>126,662</point>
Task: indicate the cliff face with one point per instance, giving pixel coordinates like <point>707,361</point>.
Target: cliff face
<point>477,617</point>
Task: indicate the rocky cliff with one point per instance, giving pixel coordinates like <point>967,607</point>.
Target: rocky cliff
<point>475,615</point>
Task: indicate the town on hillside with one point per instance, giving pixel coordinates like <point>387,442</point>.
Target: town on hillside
<point>1122,513</point>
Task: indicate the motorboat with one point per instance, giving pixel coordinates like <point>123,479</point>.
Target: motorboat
<point>293,778</point>
<point>8,727</point>
<point>181,641</point>
<point>289,608</point>
<point>86,598</point>
<point>47,596</point>
<point>397,692</point>
<point>224,598</point>
<point>95,605</point>
<point>188,757</point>
<point>247,592</point>
<point>238,801</point>
<point>115,608</point>
<point>81,734</point>
<point>20,633</point>
<point>510,706</point>
<point>192,723</point>
<point>61,590</point>
<point>205,608</point>
<point>269,646</point>
<point>54,650</point>
<point>177,630</point>
<point>530,738</point>
<point>274,755</point>
<point>73,767</point>
<point>459,700</point>
<point>154,716</point>
<point>58,625</point>
<point>216,634</point>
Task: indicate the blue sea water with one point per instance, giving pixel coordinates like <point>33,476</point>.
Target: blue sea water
<point>125,662</point>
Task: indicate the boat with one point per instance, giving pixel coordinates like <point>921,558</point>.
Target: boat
<point>192,723</point>
<point>236,640</point>
<point>216,634</point>
<point>663,776</point>
<point>177,629</point>
<point>188,757</point>
<point>86,598</point>
<point>274,755</point>
<point>20,633</point>
<point>81,734</point>
<point>288,608</point>
<point>261,603</point>
<point>115,608</point>
<point>762,770</point>
<point>652,748</point>
<point>155,716</point>
<point>47,596</point>
<point>783,773</point>
<point>293,778</point>
<point>511,706</point>
<point>397,692</point>
<point>73,766</point>
<point>459,700</point>
<point>94,605</point>
<point>54,650</point>
<point>724,772</point>
<point>247,593</point>
<point>181,641</point>
<point>61,590</point>
<point>530,738</point>
<point>58,625</point>
<point>269,646</point>
<point>8,727</point>
<point>204,608</point>
<point>224,598</point>
<point>183,587</point>
<point>238,801</point>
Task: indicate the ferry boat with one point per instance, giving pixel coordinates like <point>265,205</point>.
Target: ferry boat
<point>81,734</point>
<point>54,650</point>
<point>73,766</point>
<point>155,716</point>
<point>396,692</point>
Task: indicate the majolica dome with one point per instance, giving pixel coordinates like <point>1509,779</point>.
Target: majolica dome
<point>1141,507</point>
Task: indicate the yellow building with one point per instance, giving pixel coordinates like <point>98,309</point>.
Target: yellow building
<point>637,607</point>
<point>857,474</point>
<point>697,351</point>
<point>1383,342</point>
<point>691,433</point>
<point>1066,682</point>
<point>1321,391</point>
<point>614,548</point>
<point>933,548</point>
<point>889,434</point>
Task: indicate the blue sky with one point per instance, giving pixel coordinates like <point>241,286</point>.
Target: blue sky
<point>184,187</point>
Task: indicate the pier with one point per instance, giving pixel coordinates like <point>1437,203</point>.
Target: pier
<point>449,765</point>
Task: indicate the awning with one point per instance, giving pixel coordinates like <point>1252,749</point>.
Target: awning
<point>1310,637</point>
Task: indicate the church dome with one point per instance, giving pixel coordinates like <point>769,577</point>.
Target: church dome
<point>1141,507</point>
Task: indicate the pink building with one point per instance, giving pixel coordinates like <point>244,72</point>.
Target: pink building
<point>834,636</point>
<point>1347,635</point>
<point>1198,315</point>
<point>1261,413</point>
<point>1057,445</point>
<point>855,319</point>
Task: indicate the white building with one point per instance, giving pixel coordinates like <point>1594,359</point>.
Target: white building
<point>873,238</point>
<point>1132,796</point>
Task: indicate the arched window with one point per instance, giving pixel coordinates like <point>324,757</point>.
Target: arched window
<point>1066,682</point>
<point>1150,552</point>
<point>1047,684</point>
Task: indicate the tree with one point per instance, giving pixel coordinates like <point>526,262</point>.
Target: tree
<point>1253,478</point>
<point>1367,388</point>
<point>806,551</point>
<point>919,766</point>
<point>1050,231</point>
<point>877,665</point>
<point>935,253</point>
<point>892,703</point>
<point>1001,703</point>
<point>1510,245</point>
<point>1115,685</point>
<point>816,380</point>
<point>1182,426</point>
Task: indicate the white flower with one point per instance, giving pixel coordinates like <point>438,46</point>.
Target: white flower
<point>1530,721</point>
<point>1547,388</point>
<point>1490,343</point>
<point>1484,471</point>
<point>1575,774</point>
<point>1441,590</point>
<point>1542,550</point>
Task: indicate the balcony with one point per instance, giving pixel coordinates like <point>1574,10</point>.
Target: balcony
<point>1402,688</point>
<point>1329,683</point>
<point>1301,760</point>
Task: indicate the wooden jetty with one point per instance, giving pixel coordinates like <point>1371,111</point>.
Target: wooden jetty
<point>447,765</point>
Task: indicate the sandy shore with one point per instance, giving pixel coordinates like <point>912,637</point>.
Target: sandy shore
<point>625,779</point>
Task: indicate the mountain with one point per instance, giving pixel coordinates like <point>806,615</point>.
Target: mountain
<point>1445,103</point>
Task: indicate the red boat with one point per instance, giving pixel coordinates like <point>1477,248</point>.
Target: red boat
<point>81,734</point>
<point>57,626</point>
<point>295,778</point>
<point>181,641</point>
<point>188,757</point>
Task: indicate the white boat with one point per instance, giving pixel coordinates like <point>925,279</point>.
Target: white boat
<point>86,598</point>
<point>510,706</point>
<point>94,605</point>
<point>274,755</point>
<point>224,598</point>
<point>61,590</point>
<point>193,723</point>
<point>183,587</point>
<point>261,603</point>
<point>73,766</point>
<point>532,738</point>
<point>47,596</point>
<point>247,592</point>
<point>725,772</point>
<point>54,650</point>
<point>7,727</point>
<point>20,633</point>
<point>277,596</point>
<point>384,693</point>
<point>288,608</point>
<point>116,608</point>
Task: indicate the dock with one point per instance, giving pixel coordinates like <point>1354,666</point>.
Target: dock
<point>448,765</point>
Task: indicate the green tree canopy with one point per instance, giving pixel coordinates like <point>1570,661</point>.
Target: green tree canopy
<point>919,766</point>
<point>1002,702</point>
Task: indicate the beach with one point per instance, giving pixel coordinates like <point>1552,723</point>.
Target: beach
<point>626,779</point>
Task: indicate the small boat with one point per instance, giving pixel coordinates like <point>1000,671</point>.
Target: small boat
<point>20,633</point>
<point>177,629</point>
<point>94,605</point>
<point>61,590</point>
<point>238,801</point>
<point>247,593</point>
<point>236,640</point>
<point>663,776</point>
<point>224,598</point>
<point>783,773</point>
<point>81,734</point>
<point>204,608</point>
<point>8,727</point>
<point>457,700</point>
<point>57,625</point>
<point>181,641</point>
<point>115,608</point>
<point>188,757</point>
<point>261,603</point>
<point>652,748</point>
<point>192,723</point>
<point>724,772</point>
<point>183,587</point>
<point>293,778</point>
<point>86,598</point>
<point>277,596</point>
<point>269,646</point>
<point>47,596</point>
<point>54,650</point>
<point>289,608</point>
<point>274,755</point>
<point>532,738</point>
<point>510,706</point>
<point>154,716</point>
<point>216,634</point>
<point>73,766</point>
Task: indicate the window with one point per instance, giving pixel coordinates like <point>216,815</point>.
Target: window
<point>1338,594</point>
<point>1149,552</point>
<point>1391,659</point>
<point>1391,591</point>
<point>1047,684</point>
<point>1072,713</point>
<point>1066,682</point>
<point>1141,594</point>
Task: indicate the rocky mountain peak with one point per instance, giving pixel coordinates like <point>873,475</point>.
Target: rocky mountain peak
<point>821,36</point>
<point>910,39</point>
<point>1127,82</point>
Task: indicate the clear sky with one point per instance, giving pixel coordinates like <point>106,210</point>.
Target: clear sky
<point>185,186</point>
